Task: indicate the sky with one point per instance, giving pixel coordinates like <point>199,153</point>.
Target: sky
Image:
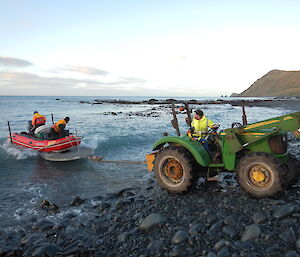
<point>174,48</point>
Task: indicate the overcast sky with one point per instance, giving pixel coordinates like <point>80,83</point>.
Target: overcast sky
<point>144,47</point>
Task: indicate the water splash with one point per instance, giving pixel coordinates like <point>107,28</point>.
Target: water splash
<point>16,152</point>
<point>93,141</point>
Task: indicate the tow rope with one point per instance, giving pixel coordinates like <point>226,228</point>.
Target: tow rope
<point>100,159</point>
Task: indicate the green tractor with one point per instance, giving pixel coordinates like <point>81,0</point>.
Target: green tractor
<point>257,152</point>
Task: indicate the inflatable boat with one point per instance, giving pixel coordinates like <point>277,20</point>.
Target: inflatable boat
<point>45,145</point>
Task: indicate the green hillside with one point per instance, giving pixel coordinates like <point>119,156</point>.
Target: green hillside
<point>275,83</point>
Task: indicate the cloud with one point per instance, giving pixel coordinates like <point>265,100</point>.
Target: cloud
<point>14,62</point>
<point>132,80</point>
<point>11,78</point>
<point>84,70</point>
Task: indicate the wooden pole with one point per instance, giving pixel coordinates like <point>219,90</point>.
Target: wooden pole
<point>175,121</point>
<point>244,115</point>
<point>9,132</point>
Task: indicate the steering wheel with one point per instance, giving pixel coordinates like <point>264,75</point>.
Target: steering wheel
<point>236,125</point>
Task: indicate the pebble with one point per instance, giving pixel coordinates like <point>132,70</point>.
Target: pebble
<point>152,221</point>
<point>180,237</point>
<point>196,229</point>
<point>298,243</point>
<point>259,217</point>
<point>288,236</point>
<point>178,251</point>
<point>220,244</point>
<point>251,232</point>
<point>291,254</point>
<point>229,231</point>
<point>283,211</point>
<point>76,201</point>
<point>47,250</point>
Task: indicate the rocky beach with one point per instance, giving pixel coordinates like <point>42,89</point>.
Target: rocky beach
<point>214,219</point>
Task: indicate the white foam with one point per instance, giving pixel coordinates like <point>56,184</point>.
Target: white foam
<point>93,141</point>
<point>18,153</point>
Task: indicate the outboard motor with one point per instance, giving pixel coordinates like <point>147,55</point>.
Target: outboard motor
<point>29,127</point>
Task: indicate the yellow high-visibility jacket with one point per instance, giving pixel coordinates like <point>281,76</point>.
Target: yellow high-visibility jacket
<point>56,125</point>
<point>201,126</point>
<point>38,119</point>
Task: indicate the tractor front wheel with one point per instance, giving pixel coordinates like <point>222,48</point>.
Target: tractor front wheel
<point>259,174</point>
<point>173,169</point>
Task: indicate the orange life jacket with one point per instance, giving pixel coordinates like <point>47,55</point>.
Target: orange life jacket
<point>55,126</point>
<point>38,119</point>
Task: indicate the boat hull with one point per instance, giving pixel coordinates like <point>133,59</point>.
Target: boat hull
<point>44,145</point>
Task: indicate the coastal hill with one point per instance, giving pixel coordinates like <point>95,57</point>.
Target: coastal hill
<point>274,83</point>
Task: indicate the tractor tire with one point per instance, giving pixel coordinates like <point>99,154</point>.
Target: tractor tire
<point>291,171</point>
<point>259,174</point>
<point>174,170</point>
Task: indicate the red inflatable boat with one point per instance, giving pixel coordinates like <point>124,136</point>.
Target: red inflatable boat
<point>45,145</point>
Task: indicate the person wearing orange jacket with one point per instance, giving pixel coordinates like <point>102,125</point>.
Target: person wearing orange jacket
<point>58,129</point>
<point>37,121</point>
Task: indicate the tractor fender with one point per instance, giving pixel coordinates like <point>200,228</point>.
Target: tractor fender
<point>194,147</point>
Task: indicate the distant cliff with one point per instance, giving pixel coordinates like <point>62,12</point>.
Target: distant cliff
<point>275,83</point>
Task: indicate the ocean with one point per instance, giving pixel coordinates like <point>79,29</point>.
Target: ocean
<point>27,179</point>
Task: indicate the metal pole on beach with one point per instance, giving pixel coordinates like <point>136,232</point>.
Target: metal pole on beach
<point>9,131</point>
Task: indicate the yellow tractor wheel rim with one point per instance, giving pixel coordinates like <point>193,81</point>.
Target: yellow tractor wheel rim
<point>258,176</point>
<point>174,170</point>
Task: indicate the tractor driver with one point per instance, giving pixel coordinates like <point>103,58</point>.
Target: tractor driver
<point>201,126</point>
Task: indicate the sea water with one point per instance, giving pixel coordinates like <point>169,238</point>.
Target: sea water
<point>26,178</point>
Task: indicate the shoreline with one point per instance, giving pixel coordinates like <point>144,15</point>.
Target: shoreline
<point>214,219</point>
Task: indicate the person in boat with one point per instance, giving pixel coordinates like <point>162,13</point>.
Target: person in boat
<point>58,129</point>
<point>201,125</point>
<point>37,121</point>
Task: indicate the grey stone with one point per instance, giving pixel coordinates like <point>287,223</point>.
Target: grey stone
<point>288,236</point>
<point>123,237</point>
<point>273,250</point>
<point>151,221</point>
<point>251,232</point>
<point>121,203</point>
<point>155,246</point>
<point>230,220</point>
<point>217,226</point>
<point>196,229</point>
<point>220,244</point>
<point>223,253</point>
<point>211,254</point>
<point>283,211</point>
<point>211,218</point>
<point>76,201</point>
<point>178,252</point>
<point>99,228</point>
<point>180,237</point>
<point>49,250</point>
<point>298,243</point>
<point>46,224</point>
<point>259,217</point>
<point>291,254</point>
<point>229,231</point>
<point>104,206</point>
<point>71,249</point>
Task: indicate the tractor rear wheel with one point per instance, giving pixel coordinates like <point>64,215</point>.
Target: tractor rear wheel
<point>259,174</point>
<point>174,170</point>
